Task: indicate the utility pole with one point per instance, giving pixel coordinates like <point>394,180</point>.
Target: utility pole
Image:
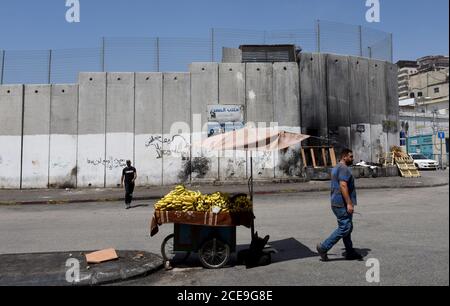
<point>103,54</point>
<point>3,67</point>
<point>157,55</point>
<point>50,66</point>
<point>212,45</point>
<point>360,41</point>
<point>318,36</point>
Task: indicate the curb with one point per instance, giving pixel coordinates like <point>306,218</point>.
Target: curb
<point>52,271</point>
<point>145,198</point>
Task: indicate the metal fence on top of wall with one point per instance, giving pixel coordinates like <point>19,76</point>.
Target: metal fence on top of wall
<point>175,54</point>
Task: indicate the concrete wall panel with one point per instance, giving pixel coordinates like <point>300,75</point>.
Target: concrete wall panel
<point>232,167</point>
<point>36,130</point>
<point>63,136</point>
<point>11,107</point>
<point>176,128</point>
<point>338,101</point>
<point>313,97</point>
<point>204,92</point>
<point>260,111</point>
<point>231,55</point>
<point>286,97</point>
<point>119,125</point>
<point>148,129</point>
<point>91,130</point>
<point>392,107</point>
<point>377,109</point>
<point>359,109</point>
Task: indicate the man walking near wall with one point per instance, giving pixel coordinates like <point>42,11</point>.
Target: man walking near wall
<point>343,202</point>
<point>129,175</point>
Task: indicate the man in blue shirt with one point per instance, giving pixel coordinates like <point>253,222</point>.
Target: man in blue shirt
<point>343,202</point>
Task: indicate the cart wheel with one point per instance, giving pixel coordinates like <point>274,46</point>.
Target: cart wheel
<point>167,251</point>
<point>214,254</point>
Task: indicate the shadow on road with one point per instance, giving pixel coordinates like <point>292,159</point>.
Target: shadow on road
<point>139,205</point>
<point>364,253</point>
<point>287,249</point>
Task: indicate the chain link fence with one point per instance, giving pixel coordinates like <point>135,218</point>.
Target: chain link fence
<point>175,54</point>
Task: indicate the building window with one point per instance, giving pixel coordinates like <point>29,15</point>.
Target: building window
<point>420,94</point>
<point>411,95</point>
<point>436,90</point>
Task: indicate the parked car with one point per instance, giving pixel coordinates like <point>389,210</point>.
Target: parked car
<point>424,163</point>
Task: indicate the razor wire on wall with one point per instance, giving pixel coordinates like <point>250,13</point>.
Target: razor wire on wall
<point>175,54</point>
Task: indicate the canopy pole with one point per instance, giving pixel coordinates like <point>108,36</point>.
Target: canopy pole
<point>251,193</point>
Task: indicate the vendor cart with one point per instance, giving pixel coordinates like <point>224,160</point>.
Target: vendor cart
<point>213,235</point>
<point>214,245</point>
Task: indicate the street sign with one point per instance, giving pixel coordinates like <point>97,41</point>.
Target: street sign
<point>441,135</point>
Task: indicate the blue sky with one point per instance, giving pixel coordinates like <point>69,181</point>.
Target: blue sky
<point>420,27</point>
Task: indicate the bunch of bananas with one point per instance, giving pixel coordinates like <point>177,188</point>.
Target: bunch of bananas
<point>182,199</point>
<point>241,204</point>
<point>179,199</point>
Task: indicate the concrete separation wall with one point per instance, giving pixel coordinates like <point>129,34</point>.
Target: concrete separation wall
<point>176,128</point>
<point>260,110</point>
<point>233,166</point>
<point>313,99</point>
<point>63,136</point>
<point>36,136</point>
<point>11,110</point>
<point>359,108</point>
<point>204,92</point>
<point>286,98</point>
<point>91,130</point>
<point>231,55</point>
<point>338,101</point>
<point>148,147</point>
<point>377,108</point>
<point>119,125</point>
<point>80,135</point>
<point>392,127</point>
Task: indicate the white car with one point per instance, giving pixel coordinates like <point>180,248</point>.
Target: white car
<point>424,163</point>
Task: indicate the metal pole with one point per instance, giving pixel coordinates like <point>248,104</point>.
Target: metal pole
<point>441,160</point>
<point>212,45</point>
<point>3,67</point>
<point>103,54</point>
<point>157,55</point>
<point>318,36</point>
<point>251,193</point>
<point>392,47</point>
<point>50,66</point>
<point>360,41</point>
<point>370,52</point>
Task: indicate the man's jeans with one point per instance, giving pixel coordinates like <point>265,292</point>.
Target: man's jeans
<point>344,230</point>
<point>129,189</point>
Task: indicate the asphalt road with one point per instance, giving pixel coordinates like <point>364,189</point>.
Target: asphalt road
<point>406,230</point>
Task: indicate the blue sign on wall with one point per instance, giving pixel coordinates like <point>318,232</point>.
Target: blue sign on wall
<point>441,135</point>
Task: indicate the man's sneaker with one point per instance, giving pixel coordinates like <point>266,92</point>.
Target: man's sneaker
<point>322,253</point>
<point>128,206</point>
<point>353,255</point>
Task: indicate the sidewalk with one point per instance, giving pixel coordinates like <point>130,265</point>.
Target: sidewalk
<point>60,196</point>
<point>50,269</point>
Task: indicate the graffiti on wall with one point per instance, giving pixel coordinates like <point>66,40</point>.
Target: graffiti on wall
<point>264,160</point>
<point>174,146</point>
<point>110,163</point>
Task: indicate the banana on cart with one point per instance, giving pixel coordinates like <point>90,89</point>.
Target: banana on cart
<point>182,199</point>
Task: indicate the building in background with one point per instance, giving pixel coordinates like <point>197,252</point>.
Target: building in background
<point>424,102</point>
<point>405,70</point>
<point>432,63</point>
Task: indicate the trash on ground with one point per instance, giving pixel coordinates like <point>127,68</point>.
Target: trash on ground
<point>101,256</point>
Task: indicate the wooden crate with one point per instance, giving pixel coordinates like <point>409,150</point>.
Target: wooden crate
<point>318,157</point>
